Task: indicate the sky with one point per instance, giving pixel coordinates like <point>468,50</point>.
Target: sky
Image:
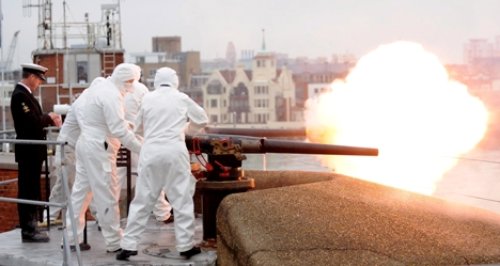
<point>318,28</point>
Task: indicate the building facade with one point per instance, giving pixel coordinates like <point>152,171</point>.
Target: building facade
<point>264,94</point>
<point>167,52</point>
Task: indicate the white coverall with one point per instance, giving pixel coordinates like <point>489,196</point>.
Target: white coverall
<point>164,160</point>
<point>133,102</point>
<point>103,126</point>
<point>70,131</point>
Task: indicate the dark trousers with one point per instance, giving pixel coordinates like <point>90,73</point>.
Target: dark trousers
<point>28,188</point>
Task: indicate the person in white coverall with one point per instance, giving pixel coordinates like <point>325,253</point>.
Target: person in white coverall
<point>101,123</point>
<point>133,100</point>
<point>70,131</point>
<point>164,163</point>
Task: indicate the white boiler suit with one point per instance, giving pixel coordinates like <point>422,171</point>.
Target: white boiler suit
<point>103,126</point>
<point>164,160</point>
<point>133,102</point>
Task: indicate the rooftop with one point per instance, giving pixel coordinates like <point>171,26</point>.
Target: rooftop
<point>157,247</point>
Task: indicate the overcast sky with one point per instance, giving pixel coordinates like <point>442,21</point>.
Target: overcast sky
<point>311,28</point>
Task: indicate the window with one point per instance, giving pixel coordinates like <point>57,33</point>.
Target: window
<point>213,103</point>
<point>82,73</point>
<point>215,87</point>
<point>261,89</point>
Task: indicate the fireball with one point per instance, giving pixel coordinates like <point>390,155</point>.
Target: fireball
<point>399,99</point>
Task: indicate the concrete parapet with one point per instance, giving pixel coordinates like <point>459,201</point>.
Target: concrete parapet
<point>353,222</point>
<point>274,179</point>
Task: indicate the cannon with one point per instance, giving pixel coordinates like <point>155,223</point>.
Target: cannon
<point>225,153</point>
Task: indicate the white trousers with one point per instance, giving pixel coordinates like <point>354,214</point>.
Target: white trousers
<point>162,208</point>
<point>96,177</point>
<point>164,168</point>
<point>69,171</point>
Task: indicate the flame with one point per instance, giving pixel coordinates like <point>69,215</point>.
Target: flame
<point>400,100</point>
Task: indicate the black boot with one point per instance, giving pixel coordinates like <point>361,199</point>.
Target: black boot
<point>35,237</point>
<point>124,254</point>
<point>189,253</point>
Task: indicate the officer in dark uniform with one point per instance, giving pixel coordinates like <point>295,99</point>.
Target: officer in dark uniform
<point>29,122</point>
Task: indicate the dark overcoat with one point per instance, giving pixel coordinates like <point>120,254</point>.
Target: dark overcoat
<point>29,122</point>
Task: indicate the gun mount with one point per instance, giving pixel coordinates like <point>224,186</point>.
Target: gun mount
<point>226,152</point>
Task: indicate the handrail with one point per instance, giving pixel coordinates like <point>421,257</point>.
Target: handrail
<point>9,131</point>
<point>68,204</point>
<point>8,181</point>
<point>32,141</point>
<point>33,202</point>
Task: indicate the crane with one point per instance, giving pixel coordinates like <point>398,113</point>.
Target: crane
<point>6,65</point>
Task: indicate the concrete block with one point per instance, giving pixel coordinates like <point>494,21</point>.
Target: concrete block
<point>349,221</point>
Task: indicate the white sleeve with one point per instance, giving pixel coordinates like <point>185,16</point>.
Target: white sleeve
<point>118,127</point>
<point>197,116</point>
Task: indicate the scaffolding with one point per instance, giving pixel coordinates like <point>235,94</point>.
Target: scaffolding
<point>105,33</point>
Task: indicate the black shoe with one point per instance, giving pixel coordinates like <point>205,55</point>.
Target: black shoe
<point>189,253</point>
<point>114,251</point>
<point>124,254</point>
<point>35,237</point>
<point>83,247</point>
<point>169,220</point>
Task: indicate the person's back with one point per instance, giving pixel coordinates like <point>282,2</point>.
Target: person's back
<point>164,122</point>
<point>165,111</point>
<point>99,102</point>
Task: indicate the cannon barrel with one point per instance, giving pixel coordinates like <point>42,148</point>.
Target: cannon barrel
<point>258,132</point>
<point>289,146</point>
<point>286,146</point>
<point>232,144</point>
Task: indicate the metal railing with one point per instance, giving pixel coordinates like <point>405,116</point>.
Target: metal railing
<point>63,206</point>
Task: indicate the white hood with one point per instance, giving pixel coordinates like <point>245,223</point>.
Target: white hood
<point>124,72</point>
<point>166,77</point>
